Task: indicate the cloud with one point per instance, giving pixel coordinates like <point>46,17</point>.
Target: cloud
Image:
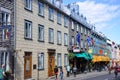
<point>99,14</point>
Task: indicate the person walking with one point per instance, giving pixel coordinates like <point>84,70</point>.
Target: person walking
<point>68,70</point>
<point>61,73</point>
<point>2,73</point>
<point>56,72</point>
<point>74,71</point>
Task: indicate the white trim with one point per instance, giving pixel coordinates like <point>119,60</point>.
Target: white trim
<point>5,10</point>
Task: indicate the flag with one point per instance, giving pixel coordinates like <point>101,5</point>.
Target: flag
<point>89,41</point>
<point>78,37</point>
<point>92,41</point>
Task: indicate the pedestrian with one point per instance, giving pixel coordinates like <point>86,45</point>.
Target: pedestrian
<point>74,71</point>
<point>61,73</point>
<point>56,71</point>
<point>2,72</point>
<point>68,70</point>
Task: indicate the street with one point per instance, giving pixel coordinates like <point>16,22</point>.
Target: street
<point>98,77</point>
<point>103,75</point>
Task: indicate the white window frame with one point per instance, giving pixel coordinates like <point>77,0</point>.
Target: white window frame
<point>85,31</point>
<point>40,61</point>
<point>41,32</point>
<point>72,41</point>
<point>81,29</point>
<point>28,29</point>
<point>77,27</point>
<point>51,14</point>
<point>66,21</point>
<point>59,37</point>
<point>6,16</point>
<point>59,59</point>
<point>4,59</point>
<point>66,60</point>
<point>65,39</point>
<point>41,8</point>
<point>82,44</point>
<point>28,4</point>
<point>85,44</point>
<point>58,18</point>
<point>51,35</point>
<point>72,25</point>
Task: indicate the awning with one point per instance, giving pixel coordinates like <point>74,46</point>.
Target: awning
<point>86,56</point>
<point>81,55</point>
<point>90,57</point>
<point>100,58</point>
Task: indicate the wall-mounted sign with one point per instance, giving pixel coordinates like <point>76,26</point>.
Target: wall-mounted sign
<point>77,49</point>
<point>101,51</point>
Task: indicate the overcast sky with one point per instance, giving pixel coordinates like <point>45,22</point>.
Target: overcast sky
<point>104,14</point>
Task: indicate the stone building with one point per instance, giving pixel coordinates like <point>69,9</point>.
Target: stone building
<point>40,37</point>
<point>6,34</point>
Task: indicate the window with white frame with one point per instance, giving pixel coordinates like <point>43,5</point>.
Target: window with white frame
<point>88,32</point>
<point>41,8</point>
<point>58,18</point>
<point>85,44</point>
<point>72,25</point>
<point>85,30</point>
<point>66,23</point>
<point>51,35</point>
<point>81,29</point>
<point>59,37</point>
<point>78,28</point>
<point>59,60</point>
<point>72,41</point>
<point>41,32</point>
<point>28,29</point>
<point>4,59</point>
<point>5,15</point>
<point>65,39</point>
<point>66,61</point>
<point>28,4</point>
<point>5,18</point>
<point>41,61</point>
<point>82,44</point>
<point>51,14</point>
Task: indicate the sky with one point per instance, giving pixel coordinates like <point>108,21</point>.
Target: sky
<point>104,14</point>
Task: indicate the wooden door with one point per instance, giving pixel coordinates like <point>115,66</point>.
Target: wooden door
<point>51,63</point>
<point>27,65</point>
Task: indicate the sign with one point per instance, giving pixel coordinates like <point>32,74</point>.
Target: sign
<point>77,49</point>
<point>101,51</point>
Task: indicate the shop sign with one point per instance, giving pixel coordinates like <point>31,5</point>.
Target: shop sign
<point>77,49</point>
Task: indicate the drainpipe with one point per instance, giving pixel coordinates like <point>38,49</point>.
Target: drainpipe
<point>15,40</point>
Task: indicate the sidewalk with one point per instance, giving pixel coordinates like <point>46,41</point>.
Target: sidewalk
<point>82,75</point>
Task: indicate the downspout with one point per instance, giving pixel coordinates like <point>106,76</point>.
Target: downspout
<point>15,57</point>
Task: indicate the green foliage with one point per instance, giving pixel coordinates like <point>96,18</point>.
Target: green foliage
<point>71,56</point>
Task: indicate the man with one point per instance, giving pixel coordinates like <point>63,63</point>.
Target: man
<point>56,71</point>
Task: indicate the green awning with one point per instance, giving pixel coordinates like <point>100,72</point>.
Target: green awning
<point>86,56</point>
<point>90,57</point>
<point>81,55</point>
